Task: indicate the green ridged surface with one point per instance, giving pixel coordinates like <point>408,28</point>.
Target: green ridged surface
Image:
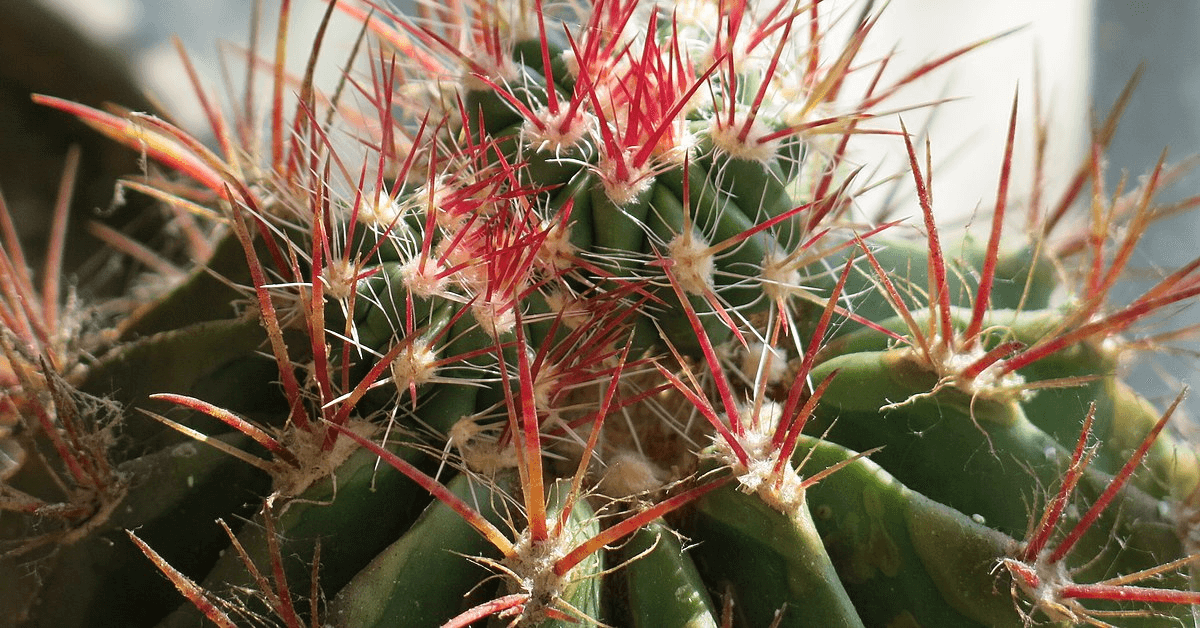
<point>913,536</point>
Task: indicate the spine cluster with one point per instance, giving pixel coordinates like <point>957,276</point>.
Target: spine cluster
<point>584,326</point>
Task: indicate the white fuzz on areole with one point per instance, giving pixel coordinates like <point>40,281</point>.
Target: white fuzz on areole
<point>693,263</point>
<point>788,497</point>
<point>570,310</point>
<point>821,140</point>
<point>478,449</point>
<point>762,360</point>
<point>991,383</point>
<point>678,146</point>
<point>557,253</point>
<point>572,62</point>
<point>433,197</point>
<point>758,475</point>
<point>470,273</point>
<point>779,277</point>
<point>532,566</point>
<point>384,212</point>
<point>727,138</point>
<point>628,473</point>
<point>415,365</point>
<point>622,190</point>
<point>499,71</point>
<point>316,463</point>
<point>558,132</point>
<point>1045,594</point>
<point>424,277</point>
<point>495,318</point>
<point>338,278</point>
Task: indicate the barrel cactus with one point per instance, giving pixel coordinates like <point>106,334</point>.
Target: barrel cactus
<point>564,314</point>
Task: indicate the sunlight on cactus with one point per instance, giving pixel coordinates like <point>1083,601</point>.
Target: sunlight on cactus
<point>568,314</point>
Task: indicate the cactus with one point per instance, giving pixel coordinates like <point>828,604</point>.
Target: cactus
<point>583,328</point>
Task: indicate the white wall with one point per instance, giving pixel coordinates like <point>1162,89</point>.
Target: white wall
<point>967,135</point>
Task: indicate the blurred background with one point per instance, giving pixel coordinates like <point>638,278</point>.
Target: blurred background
<point>1163,113</point>
<point>1083,51</point>
<point>967,135</point>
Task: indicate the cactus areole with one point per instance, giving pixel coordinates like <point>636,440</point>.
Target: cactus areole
<point>569,314</point>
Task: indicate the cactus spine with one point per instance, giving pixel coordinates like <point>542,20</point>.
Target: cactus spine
<point>586,329</point>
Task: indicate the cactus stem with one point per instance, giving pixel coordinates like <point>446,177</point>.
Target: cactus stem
<point>637,107</point>
<point>543,558</point>
<point>538,197</point>
<point>760,453</point>
<point>752,140</point>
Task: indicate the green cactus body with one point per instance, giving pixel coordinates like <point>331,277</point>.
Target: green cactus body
<point>600,287</point>
<point>422,575</point>
<point>775,564</point>
<point>902,556</point>
<point>662,585</point>
<point>353,518</point>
